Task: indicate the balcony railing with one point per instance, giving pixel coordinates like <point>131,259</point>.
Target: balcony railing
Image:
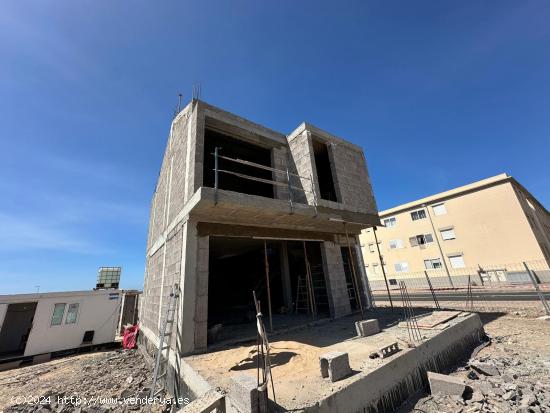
<point>285,182</point>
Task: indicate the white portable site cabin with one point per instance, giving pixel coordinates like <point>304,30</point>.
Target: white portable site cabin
<point>45,323</point>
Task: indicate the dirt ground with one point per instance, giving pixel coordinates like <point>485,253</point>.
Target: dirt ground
<point>518,357</point>
<point>87,383</point>
<point>519,350</point>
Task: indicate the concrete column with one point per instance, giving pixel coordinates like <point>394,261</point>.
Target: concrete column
<point>285,276</point>
<point>335,276</point>
<point>188,288</point>
<point>201,307</point>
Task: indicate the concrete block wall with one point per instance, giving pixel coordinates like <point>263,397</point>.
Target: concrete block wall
<point>352,178</point>
<point>280,160</point>
<point>302,158</point>
<point>336,279</point>
<point>152,291</point>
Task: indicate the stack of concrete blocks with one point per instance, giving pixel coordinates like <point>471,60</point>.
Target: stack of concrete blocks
<point>367,328</point>
<point>335,365</point>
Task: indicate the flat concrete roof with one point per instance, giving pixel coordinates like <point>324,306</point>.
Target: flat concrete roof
<point>38,296</point>
<point>494,180</point>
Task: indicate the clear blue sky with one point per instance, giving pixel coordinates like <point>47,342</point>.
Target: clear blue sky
<point>437,93</point>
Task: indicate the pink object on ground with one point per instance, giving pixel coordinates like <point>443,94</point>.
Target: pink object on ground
<point>129,337</point>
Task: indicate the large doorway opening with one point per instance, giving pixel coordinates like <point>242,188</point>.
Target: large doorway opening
<point>300,253</point>
<point>349,268</point>
<point>236,149</point>
<point>238,266</point>
<point>16,328</point>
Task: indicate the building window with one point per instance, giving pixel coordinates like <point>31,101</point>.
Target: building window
<point>448,233</point>
<point>375,268</point>
<point>421,239</point>
<point>72,313</point>
<point>419,214</point>
<point>371,247</point>
<point>323,166</point>
<point>401,266</point>
<point>392,281</point>
<point>58,311</point>
<point>395,243</point>
<point>389,222</point>
<point>433,264</point>
<point>439,209</point>
<point>457,261</point>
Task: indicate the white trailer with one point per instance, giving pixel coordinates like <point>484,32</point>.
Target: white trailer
<point>45,323</point>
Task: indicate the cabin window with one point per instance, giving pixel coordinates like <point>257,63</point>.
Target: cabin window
<point>58,311</point>
<point>72,313</point>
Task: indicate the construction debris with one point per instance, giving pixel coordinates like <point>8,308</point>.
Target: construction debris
<point>86,383</point>
<point>510,375</point>
<point>388,350</point>
<point>446,385</point>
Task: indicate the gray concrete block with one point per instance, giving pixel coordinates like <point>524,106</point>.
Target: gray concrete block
<point>335,365</point>
<point>244,394</point>
<point>366,328</point>
<point>446,385</point>
<point>388,350</point>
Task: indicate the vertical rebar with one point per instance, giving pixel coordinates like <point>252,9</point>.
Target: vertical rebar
<point>289,191</point>
<point>432,291</point>
<point>216,182</point>
<point>313,193</point>
<point>535,284</point>
<point>382,265</point>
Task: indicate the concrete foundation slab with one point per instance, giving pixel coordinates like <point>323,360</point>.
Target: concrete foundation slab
<point>379,385</point>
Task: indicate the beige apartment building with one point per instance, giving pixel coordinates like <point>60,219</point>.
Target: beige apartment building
<point>485,229</point>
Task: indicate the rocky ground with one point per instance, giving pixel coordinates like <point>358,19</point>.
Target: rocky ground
<point>88,383</point>
<point>510,374</point>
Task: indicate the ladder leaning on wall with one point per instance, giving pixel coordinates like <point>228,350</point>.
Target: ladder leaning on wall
<point>165,335</point>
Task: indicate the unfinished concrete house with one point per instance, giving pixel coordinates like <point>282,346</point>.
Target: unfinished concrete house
<point>240,208</point>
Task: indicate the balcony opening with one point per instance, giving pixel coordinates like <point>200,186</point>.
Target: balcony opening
<point>324,171</point>
<point>236,149</point>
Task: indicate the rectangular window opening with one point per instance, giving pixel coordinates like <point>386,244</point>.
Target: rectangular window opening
<point>439,209</point>
<point>447,234</point>
<point>457,261</point>
<point>324,171</point>
<point>390,222</point>
<point>433,264</point>
<point>419,214</point>
<point>235,148</point>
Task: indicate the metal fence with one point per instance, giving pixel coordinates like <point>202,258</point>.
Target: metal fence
<point>467,284</point>
<point>489,276</point>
